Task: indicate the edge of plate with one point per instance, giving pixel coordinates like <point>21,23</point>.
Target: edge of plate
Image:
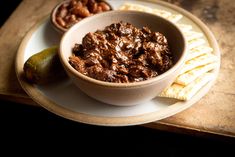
<point>36,95</point>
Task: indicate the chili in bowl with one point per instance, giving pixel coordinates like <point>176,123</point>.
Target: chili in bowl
<point>123,57</point>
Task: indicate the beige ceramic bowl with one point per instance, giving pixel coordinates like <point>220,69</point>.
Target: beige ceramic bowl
<point>123,94</point>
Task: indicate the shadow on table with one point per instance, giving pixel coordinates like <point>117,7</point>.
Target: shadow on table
<point>35,125</point>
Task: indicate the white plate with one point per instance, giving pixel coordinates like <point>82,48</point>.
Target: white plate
<point>66,100</point>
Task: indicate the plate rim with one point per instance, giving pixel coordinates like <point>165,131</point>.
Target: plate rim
<point>179,106</point>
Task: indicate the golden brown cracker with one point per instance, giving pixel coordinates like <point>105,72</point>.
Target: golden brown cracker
<point>190,76</point>
<point>198,51</point>
<point>182,92</point>
<point>198,61</point>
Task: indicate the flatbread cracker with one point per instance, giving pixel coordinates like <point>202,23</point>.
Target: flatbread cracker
<point>165,14</point>
<point>182,92</point>
<point>190,76</point>
<point>198,51</point>
<point>184,27</point>
<point>137,7</point>
<point>161,13</point>
<point>175,18</point>
<point>198,61</point>
<point>195,43</point>
<point>172,91</point>
<point>190,35</point>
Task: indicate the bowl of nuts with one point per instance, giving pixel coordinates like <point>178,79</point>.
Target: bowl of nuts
<point>126,59</point>
<point>68,12</point>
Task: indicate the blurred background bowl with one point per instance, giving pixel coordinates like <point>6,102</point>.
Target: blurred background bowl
<point>68,12</point>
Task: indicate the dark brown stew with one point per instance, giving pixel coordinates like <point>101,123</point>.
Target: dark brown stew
<point>122,53</point>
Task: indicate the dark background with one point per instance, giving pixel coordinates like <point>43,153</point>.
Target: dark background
<point>38,130</point>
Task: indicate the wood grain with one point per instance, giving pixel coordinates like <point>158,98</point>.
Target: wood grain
<point>214,114</point>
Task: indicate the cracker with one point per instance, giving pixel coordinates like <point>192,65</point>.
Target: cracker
<point>182,92</point>
<point>161,13</point>
<point>172,91</point>
<point>195,43</point>
<point>165,14</point>
<point>190,35</point>
<point>198,51</point>
<point>137,7</point>
<point>190,76</point>
<point>184,27</point>
<point>198,61</point>
<point>175,18</point>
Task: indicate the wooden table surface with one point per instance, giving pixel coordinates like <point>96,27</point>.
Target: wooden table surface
<point>213,115</point>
